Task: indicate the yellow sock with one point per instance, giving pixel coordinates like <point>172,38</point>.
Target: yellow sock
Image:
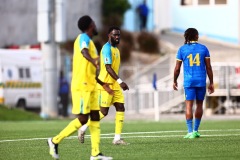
<point>119,122</point>
<point>101,115</point>
<point>67,131</point>
<point>95,137</point>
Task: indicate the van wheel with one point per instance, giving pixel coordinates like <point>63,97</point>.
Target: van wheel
<point>21,103</point>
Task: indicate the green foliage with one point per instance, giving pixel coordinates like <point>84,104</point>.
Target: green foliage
<point>125,51</point>
<point>15,114</point>
<point>113,11</point>
<point>148,42</point>
<point>126,45</point>
<point>128,38</point>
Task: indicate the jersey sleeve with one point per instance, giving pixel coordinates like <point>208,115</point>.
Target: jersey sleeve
<point>107,55</point>
<point>179,55</point>
<point>84,42</point>
<point>207,54</point>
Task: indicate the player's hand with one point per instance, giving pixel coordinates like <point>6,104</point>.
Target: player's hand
<point>96,62</point>
<point>124,86</point>
<point>175,86</point>
<point>108,89</point>
<point>210,88</point>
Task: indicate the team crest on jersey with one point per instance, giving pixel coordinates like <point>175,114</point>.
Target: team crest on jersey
<point>84,44</point>
<point>106,59</point>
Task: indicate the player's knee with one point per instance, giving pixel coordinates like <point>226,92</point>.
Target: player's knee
<point>120,108</point>
<point>94,115</point>
<point>104,111</point>
<point>83,119</point>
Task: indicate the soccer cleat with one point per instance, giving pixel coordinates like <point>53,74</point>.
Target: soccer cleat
<point>100,156</point>
<point>53,149</point>
<point>195,134</point>
<point>81,136</point>
<point>188,135</point>
<point>120,142</point>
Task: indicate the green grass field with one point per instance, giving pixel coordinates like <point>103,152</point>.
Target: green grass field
<point>26,140</point>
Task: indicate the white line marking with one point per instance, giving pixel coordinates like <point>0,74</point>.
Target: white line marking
<point>105,136</point>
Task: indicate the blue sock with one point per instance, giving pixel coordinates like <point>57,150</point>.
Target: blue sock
<point>189,125</point>
<point>197,124</point>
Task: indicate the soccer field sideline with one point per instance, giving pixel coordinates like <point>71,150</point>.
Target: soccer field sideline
<point>107,136</point>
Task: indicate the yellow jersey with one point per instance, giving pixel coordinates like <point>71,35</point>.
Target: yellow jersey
<point>109,55</point>
<point>83,71</point>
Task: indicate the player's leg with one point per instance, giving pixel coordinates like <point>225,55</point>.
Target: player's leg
<point>189,99</point>
<point>104,100</point>
<point>118,101</point>
<point>94,127</point>
<point>119,120</point>
<point>200,94</point>
<point>79,99</point>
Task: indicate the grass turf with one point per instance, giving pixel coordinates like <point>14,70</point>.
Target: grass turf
<point>220,140</point>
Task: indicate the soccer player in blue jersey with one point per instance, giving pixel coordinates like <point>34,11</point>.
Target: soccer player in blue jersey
<point>197,66</point>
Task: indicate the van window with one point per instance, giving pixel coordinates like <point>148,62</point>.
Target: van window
<point>20,70</point>
<point>24,73</point>
<point>27,73</point>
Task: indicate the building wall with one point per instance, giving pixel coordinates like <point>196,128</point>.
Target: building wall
<point>19,20</point>
<point>162,15</point>
<point>215,21</point>
<point>131,19</point>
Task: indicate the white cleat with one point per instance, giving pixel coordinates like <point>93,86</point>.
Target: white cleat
<point>120,142</point>
<point>53,149</point>
<point>81,135</point>
<point>100,156</point>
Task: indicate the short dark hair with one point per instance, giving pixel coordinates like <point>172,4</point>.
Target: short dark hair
<point>112,28</point>
<point>190,35</point>
<point>84,22</point>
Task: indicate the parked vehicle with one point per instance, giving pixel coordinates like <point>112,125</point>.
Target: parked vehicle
<point>21,77</point>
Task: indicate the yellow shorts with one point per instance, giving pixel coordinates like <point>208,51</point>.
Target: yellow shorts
<point>106,100</point>
<point>84,101</point>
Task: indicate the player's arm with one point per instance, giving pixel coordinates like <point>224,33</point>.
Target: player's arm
<point>94,61</point>
<point>210,75</point>
<point>104,85</point>
<point>112,73</point>
<point>177,70</point>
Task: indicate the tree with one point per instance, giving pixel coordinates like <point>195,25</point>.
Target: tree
<point>113,11</point>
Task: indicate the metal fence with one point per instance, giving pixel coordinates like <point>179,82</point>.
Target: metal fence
<point>142,98</point>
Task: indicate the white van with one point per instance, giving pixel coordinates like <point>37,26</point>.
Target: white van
<point>21,77</point>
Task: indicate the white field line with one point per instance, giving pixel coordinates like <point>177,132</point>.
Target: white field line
<point>110,135</point>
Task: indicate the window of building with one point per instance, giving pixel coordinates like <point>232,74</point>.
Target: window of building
<point>220,1</point>
<point>186,2</point>
<point>203,2</point>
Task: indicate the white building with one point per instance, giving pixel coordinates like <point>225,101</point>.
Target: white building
<point>215,19</point>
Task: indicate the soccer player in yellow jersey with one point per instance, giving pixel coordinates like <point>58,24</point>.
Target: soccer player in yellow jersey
<point>109,68</point>
<point>84,90</point>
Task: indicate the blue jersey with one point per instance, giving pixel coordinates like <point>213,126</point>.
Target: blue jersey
<point>193,57</point>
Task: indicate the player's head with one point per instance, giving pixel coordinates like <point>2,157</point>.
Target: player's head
<point>86,23</point>
<point>114,35</point>
<point>191,34</point>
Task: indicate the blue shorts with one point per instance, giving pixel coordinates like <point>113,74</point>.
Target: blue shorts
<point>192,93</point>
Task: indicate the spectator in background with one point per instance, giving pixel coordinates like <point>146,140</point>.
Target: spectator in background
<point>143,10</point>
<point>63,94</point>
